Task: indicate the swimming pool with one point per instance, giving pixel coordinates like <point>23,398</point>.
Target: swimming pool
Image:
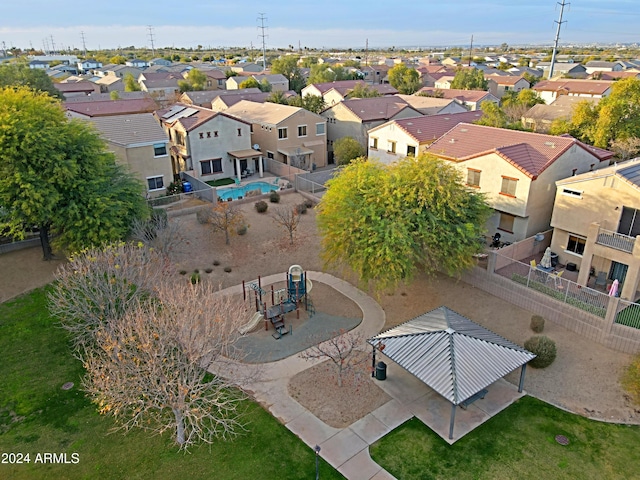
<point>234,193</point>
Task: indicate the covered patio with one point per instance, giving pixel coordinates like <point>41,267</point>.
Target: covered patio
<point>442,361</point>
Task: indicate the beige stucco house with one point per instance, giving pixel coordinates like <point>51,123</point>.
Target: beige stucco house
<point>500,84</point>
<point>354,118</point>
<point>470,99</point>
<point>208,145</point>
<point>549,90</point>
<point>139,143</point>
<point>596,223</point>
<point>408,137</point>
<point>516,171</point>
<point>290,135</point>
<point>336,92</point>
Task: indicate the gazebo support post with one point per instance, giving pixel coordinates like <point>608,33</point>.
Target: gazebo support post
<point>373,363</point>
<point>521,384</point>
<point>452,421</point>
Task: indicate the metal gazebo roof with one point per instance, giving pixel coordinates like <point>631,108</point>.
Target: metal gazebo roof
<point>451,354</point>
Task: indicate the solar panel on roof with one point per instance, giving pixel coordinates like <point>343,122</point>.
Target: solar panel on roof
<point>172,111</point>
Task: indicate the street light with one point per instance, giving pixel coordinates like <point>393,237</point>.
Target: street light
<point>317,450</point>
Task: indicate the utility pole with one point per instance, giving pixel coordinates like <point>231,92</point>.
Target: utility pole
<point>366,53</point>
<point>153,49</point>
<point>4,49</point>
<point>471,51</point>
<point>555,43</point>
<point>84,45</point>
<point>53,45</point>
<point>262,35</point>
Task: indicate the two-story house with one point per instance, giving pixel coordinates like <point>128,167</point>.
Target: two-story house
<point>596,223</point>
<point>336,92</point>
<point>290,135</point>
<point>549,90</point>
<point>139,143</point>
<point>354,118</point>
<point>409,137</point>
<point>208,145</point>
<point>516,171</point>
<point>500,84</point>
<point>470,99</point>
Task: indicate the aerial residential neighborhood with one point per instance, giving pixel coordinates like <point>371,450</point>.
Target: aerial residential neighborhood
<point>304,253</point>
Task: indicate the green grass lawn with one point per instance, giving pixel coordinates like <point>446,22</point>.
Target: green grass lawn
<point>221,182</point>
<point>37,416</point>
<point>518,443</point>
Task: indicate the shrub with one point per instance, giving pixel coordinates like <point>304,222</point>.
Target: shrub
<point>544,348</point>
<point>261,206</point>
<point>631,379</point>
<point>208,270</point>
<point>301,209</point>
<point>216,263</point>
<point>274,197</point>
<point>195,278</point>
<point>241,230</point>
<point>202,215</point>
<point>308,203</point>
<point>537,323</point>
<point>182,272</point>
<point>227,269</point>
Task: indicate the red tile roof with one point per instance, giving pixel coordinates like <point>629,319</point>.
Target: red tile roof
<point>432,127</point>
<point>76,87</point>
<point>376,108</point>
<point>531,153</point>
<point>339,85</point>
<point>505,79</point>
<point>462,95</point>
<point>592,87</point>
<point>112,107</point>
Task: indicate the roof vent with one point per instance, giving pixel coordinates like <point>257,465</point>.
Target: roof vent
<point>550,144</point>
<point>464,129</point>
<point>453,140</point>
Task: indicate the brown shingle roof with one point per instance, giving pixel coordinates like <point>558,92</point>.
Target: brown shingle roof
<point>531,153</point>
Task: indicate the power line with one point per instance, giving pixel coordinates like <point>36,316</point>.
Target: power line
<point>555,42</point>
<point>84,45</point>
<point>153,50</point>
<point>263,35</point>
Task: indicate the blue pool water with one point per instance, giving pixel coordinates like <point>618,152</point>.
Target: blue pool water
<point>237,192</point>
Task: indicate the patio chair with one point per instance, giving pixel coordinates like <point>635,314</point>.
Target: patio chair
<point>601,279</point>
<point>533,264</point>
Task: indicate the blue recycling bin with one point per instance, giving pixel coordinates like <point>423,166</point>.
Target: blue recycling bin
<point>186,187</point>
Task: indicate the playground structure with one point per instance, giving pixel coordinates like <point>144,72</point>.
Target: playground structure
<point>283,301</point>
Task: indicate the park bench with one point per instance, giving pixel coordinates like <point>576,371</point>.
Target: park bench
<point>477,396</point>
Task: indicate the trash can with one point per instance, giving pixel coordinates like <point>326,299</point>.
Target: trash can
<point>554,259</point>
<point>381,371</point>
<point>186,187</point>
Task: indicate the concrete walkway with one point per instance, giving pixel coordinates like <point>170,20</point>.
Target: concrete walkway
<point>347,449</point>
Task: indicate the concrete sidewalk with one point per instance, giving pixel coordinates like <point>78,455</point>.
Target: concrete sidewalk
<point>347,449</point>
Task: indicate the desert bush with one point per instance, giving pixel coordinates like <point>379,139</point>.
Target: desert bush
<point>544,348</point>
<point>537,323</point>
<point>195,277</point>
<point>274,197</point>
<point>202,216</point>
<point>182,272</point>
<point>308,203</point>
<point>216,263</point>
<point>208,270</point>
<point>631,379</point>
<point>241,230</point>
<point>227,269</point>
<point>261,206</point>
<point>302,208</point>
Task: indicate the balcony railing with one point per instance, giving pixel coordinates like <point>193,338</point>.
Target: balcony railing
<point>615,240</point>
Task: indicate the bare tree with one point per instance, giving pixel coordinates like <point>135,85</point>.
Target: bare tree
<point>149,368</point>
<point>224,217</point>
<point>289,218</point>
<point>626,148</point>
<point>159,233</point>
<point>340,351</point>
<point>99,285</point>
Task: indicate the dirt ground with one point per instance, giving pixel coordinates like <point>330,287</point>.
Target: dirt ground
<point>584,378</point>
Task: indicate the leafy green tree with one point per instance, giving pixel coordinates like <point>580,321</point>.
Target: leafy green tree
<point>130,83</point>
<point>308,62</point>
<point>18,74</point>
<point>114,95</point>
<point>288,66</point>
<point>313,103</point>
<point>58,175</point>
<point>195,81</point>
<point>362,90</point>
<point>469,79</point>
<point>118,60</point>
<point>618,114</point>
<point>386,222</point>
<point>265,86</point>
<point>516,104</point>
<point>277,97</point>
<point>347,149</point>
<point>493,115</point>
<point>249,83</point>
<point>404,79</point>
<point>321,73</point>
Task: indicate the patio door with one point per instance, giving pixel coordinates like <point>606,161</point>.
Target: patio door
<point>618,271</point>
<point>629,222</point>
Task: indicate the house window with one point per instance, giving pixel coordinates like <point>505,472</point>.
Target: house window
<point>411,151</point>
<point>302,130</point>
<point>373,143</point>
<point>572,193</point>
<point>208,134</point>
<point>576,244</point>
<point>208,167</point>
<point>509,186</point>
<point>391,147</point>
<point>159,149</point>
<point>180,138</point>
<point>506,222</point>
<point>201,135</point>
<point>239,132</point>
<point>155,183</point>
<point>320,128</point>
<point>473,177</point>
<point>269,154</point>
<point>282,133</point>
<point>215,134</point>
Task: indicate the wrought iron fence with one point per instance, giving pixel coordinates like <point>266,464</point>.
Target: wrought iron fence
<point>628,313</point>
<point>556,286</point>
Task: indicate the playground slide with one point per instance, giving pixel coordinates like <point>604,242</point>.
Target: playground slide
<point>309,286</point>
<point>251,324</point>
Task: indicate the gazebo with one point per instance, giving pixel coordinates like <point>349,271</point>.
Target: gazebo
<point>452,355</point>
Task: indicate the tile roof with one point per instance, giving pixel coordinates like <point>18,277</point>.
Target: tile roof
<point>453,93</point>
<point>531,153</point>
<point>229,100</point>
<point>102,97</point>
<point>426,105</point>
<point>432,127</point>
<point>128,130</point>
<point>267,113</point>
<point>617,75</point>
<point>593,87</point>
<point>628,171</point>
<point>189,116</point>
<point>112,107</point>
<point>376,108</point>
<point>506,80</point>
<point>561,107</point>
<point>76,87</point>
<point>340,85</point>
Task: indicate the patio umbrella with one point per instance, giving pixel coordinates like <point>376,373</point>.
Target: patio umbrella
<point>613,291</point>
<point>546,258</point>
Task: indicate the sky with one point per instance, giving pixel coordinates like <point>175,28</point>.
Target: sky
<point>318,24</point>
